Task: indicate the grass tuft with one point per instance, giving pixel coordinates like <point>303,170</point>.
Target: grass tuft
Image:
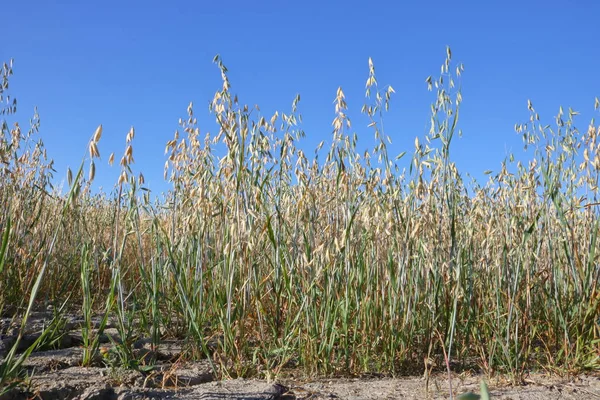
<point>262,258</point>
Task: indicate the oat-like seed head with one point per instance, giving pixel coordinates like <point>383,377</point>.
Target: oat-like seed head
<point>98,134</point>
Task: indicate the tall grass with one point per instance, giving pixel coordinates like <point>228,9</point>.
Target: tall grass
<point>263,258</point>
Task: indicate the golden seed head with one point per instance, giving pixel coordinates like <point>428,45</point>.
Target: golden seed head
<point>130,134</point>
<point>94,150</point>
<point>122,178</point>
<point>129,154</point>
<point>98,133</point>
<point>92,171</point>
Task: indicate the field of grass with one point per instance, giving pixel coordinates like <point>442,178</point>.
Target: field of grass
<point>265,257</point>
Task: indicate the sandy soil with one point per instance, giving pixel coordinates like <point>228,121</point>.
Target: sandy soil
<point>56,374</point>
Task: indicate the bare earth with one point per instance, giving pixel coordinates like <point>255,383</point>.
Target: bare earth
<point>56,374</point>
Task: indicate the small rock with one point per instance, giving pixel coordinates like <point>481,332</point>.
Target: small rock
<point>276,391</point>
<point>95,393</point>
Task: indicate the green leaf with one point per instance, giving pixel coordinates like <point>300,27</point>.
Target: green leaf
<point>399,156</point>
<point>469,396</point>
<point>4,244</point>
<point>485,394</point>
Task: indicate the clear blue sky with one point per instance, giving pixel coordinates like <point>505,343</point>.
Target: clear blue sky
<point>140,63</point>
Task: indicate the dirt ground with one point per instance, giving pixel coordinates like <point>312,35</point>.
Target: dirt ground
<point>56,374</point>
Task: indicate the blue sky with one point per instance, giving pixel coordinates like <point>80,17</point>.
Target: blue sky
<point>124,63</point>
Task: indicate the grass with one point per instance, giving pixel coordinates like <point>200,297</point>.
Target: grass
<point>262,258</point>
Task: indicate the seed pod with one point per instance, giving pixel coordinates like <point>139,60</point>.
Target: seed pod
<point>94,150</point>
<point>92,171</point>
<point>122,177</point>
<point>129,154</point>
<point>98,133</point>
<point>130,135</point>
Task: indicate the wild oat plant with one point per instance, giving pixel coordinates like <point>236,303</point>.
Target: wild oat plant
<point>263,258</point>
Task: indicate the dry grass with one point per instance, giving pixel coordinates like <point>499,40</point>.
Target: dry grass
<point>265,257</point>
